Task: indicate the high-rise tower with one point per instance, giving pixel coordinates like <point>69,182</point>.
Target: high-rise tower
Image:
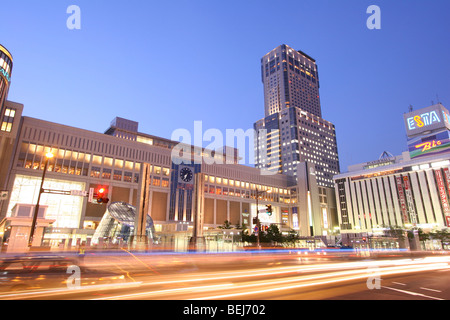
<point>293,130</point>
<point>290,79</point>
<point>6,64</point>
<point>10,114</point>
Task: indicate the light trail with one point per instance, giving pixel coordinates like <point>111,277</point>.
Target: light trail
<point>359,270</point>
<point>333,278</point>
<point>289,277</point>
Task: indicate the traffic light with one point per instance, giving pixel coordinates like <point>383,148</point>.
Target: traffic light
<point>102,195</point>
<point>269,209</point>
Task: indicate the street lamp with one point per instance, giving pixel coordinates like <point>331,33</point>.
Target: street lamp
<point>48,156</point>
<point>258,193</point>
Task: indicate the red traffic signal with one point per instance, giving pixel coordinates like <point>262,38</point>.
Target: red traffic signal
<point>102,195</point>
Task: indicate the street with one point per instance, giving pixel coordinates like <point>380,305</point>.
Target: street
<point>249,276</point>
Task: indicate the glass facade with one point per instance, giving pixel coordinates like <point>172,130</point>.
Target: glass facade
<point>64,209</point>
<point>6,65</point>
<point>117,225</point>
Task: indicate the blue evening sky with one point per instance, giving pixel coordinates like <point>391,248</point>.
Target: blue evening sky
<point>169,63</point>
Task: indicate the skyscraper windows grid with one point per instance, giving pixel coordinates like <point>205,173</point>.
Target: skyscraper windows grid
<point>293,110</point>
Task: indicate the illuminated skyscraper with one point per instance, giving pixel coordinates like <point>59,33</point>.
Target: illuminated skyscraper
<point>10,114</point>
<point>293,130</point>
<point>6,64</point>
<point>290,79</point>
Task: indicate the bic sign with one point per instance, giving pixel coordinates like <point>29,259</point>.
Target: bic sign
<point>428,145</point>
<point>423,120</point>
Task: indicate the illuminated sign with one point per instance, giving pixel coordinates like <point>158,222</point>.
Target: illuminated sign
<point>447,178</point>
<point>401,198</point>
<point>442,192</point>
<point>410,199</point>
<point>423,120</point>
<point>428,145</point>
<point>5,74</point>
<point>427,119</point>
<point>431,144</point>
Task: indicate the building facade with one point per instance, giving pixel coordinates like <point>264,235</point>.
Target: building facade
<point>411,190</point>
<point>85,159</point>
<point>84,162</point>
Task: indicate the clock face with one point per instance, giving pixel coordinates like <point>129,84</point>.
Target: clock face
<point>186,174</point>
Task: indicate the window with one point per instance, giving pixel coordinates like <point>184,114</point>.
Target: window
<point>95,172</point>
<point>108,162</point>
<point>106,173</point>
<point>117,175</point>
<point>128,177</point>
<point>8,120</point>
<point>118,163</point>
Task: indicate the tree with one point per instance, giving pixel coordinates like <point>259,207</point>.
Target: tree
<point>274,234</point>
<point>395,232</point>
<point>226,225</point>
<point>442,235</point>
<point>423,236</point>
<point>292,237</point>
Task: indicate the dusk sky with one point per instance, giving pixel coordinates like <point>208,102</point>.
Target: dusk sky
<point>167,64</point>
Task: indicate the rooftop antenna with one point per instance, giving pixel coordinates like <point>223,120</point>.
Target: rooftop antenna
<point>410,108</point>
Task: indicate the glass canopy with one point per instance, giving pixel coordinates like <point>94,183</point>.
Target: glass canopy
<point>117,225</point>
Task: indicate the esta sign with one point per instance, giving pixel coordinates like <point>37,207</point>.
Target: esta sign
<point>427,119</point>
<point>423,120</point>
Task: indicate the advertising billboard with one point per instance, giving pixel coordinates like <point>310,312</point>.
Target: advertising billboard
<point>401,198</point>
<point>427,120</point>
<point>431,144</point>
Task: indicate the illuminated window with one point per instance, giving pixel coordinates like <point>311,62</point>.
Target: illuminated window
<point>65,210</point>
<point>128,177</point>
<point>118,163</point>
<point>95,172</point>
<point>144,140</point>
<point>117,175</point>
<point>8,119</point>
<point>156,181</point>
<point>128,165</point>
<point>108,162</point>
<point>97,160</point>
<point>106,173</point>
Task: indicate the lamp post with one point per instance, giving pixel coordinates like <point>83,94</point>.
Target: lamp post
<point>258,193</point>
<point>48,156</point>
